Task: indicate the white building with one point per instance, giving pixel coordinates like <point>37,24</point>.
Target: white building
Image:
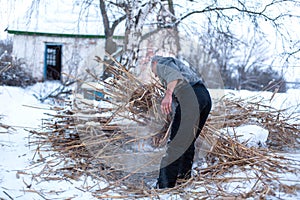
<point>59,39</point>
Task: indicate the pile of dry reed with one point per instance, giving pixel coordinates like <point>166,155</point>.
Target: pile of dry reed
<point>100,141</point>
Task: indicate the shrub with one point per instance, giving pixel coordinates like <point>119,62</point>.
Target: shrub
<point>256,79</point>
<point>264,79</point>
<point>12,72</point>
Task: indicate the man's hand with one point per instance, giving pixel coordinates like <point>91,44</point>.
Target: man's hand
<point>166,104</point>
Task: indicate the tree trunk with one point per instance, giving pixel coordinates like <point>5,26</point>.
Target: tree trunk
<point>136,13</point>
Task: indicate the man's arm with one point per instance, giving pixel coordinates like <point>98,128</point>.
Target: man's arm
<point>166,104</point>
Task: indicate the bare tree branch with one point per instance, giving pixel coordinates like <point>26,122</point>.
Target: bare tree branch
<point>243,9</point>
<point>117,22</point>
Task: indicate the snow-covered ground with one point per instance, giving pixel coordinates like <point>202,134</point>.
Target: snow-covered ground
<point>18,159</point>
<point>22,111</point>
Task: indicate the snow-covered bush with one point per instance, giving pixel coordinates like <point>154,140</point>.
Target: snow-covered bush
<point>11,71</point>
<point>12,74</point>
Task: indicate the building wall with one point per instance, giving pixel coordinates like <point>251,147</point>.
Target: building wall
<point>78,54</point>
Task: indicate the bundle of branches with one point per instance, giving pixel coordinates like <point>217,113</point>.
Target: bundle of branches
<point>118,139</point>
<point>127,121</point>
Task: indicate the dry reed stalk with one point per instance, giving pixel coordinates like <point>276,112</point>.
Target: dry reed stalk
<point>74,133</point>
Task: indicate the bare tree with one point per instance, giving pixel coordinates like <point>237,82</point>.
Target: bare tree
<point>144,19</point>
<point>261,14</point>
<point>173,19</point>
<point>137,13</point>
<point>109,27</point>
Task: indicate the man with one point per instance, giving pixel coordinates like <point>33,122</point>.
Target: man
<point>183,86</point>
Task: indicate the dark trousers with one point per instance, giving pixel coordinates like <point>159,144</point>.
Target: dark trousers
<point>189,119</point>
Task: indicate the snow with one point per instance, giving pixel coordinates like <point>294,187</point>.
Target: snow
<point>289,101</point>
<point>22,111</point>
<point>252,135</point>
<point>19,160</point>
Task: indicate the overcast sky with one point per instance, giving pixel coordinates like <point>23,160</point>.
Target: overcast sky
<point>9,10</point>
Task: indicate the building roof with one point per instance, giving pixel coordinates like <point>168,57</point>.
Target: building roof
<point>66,18</point>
